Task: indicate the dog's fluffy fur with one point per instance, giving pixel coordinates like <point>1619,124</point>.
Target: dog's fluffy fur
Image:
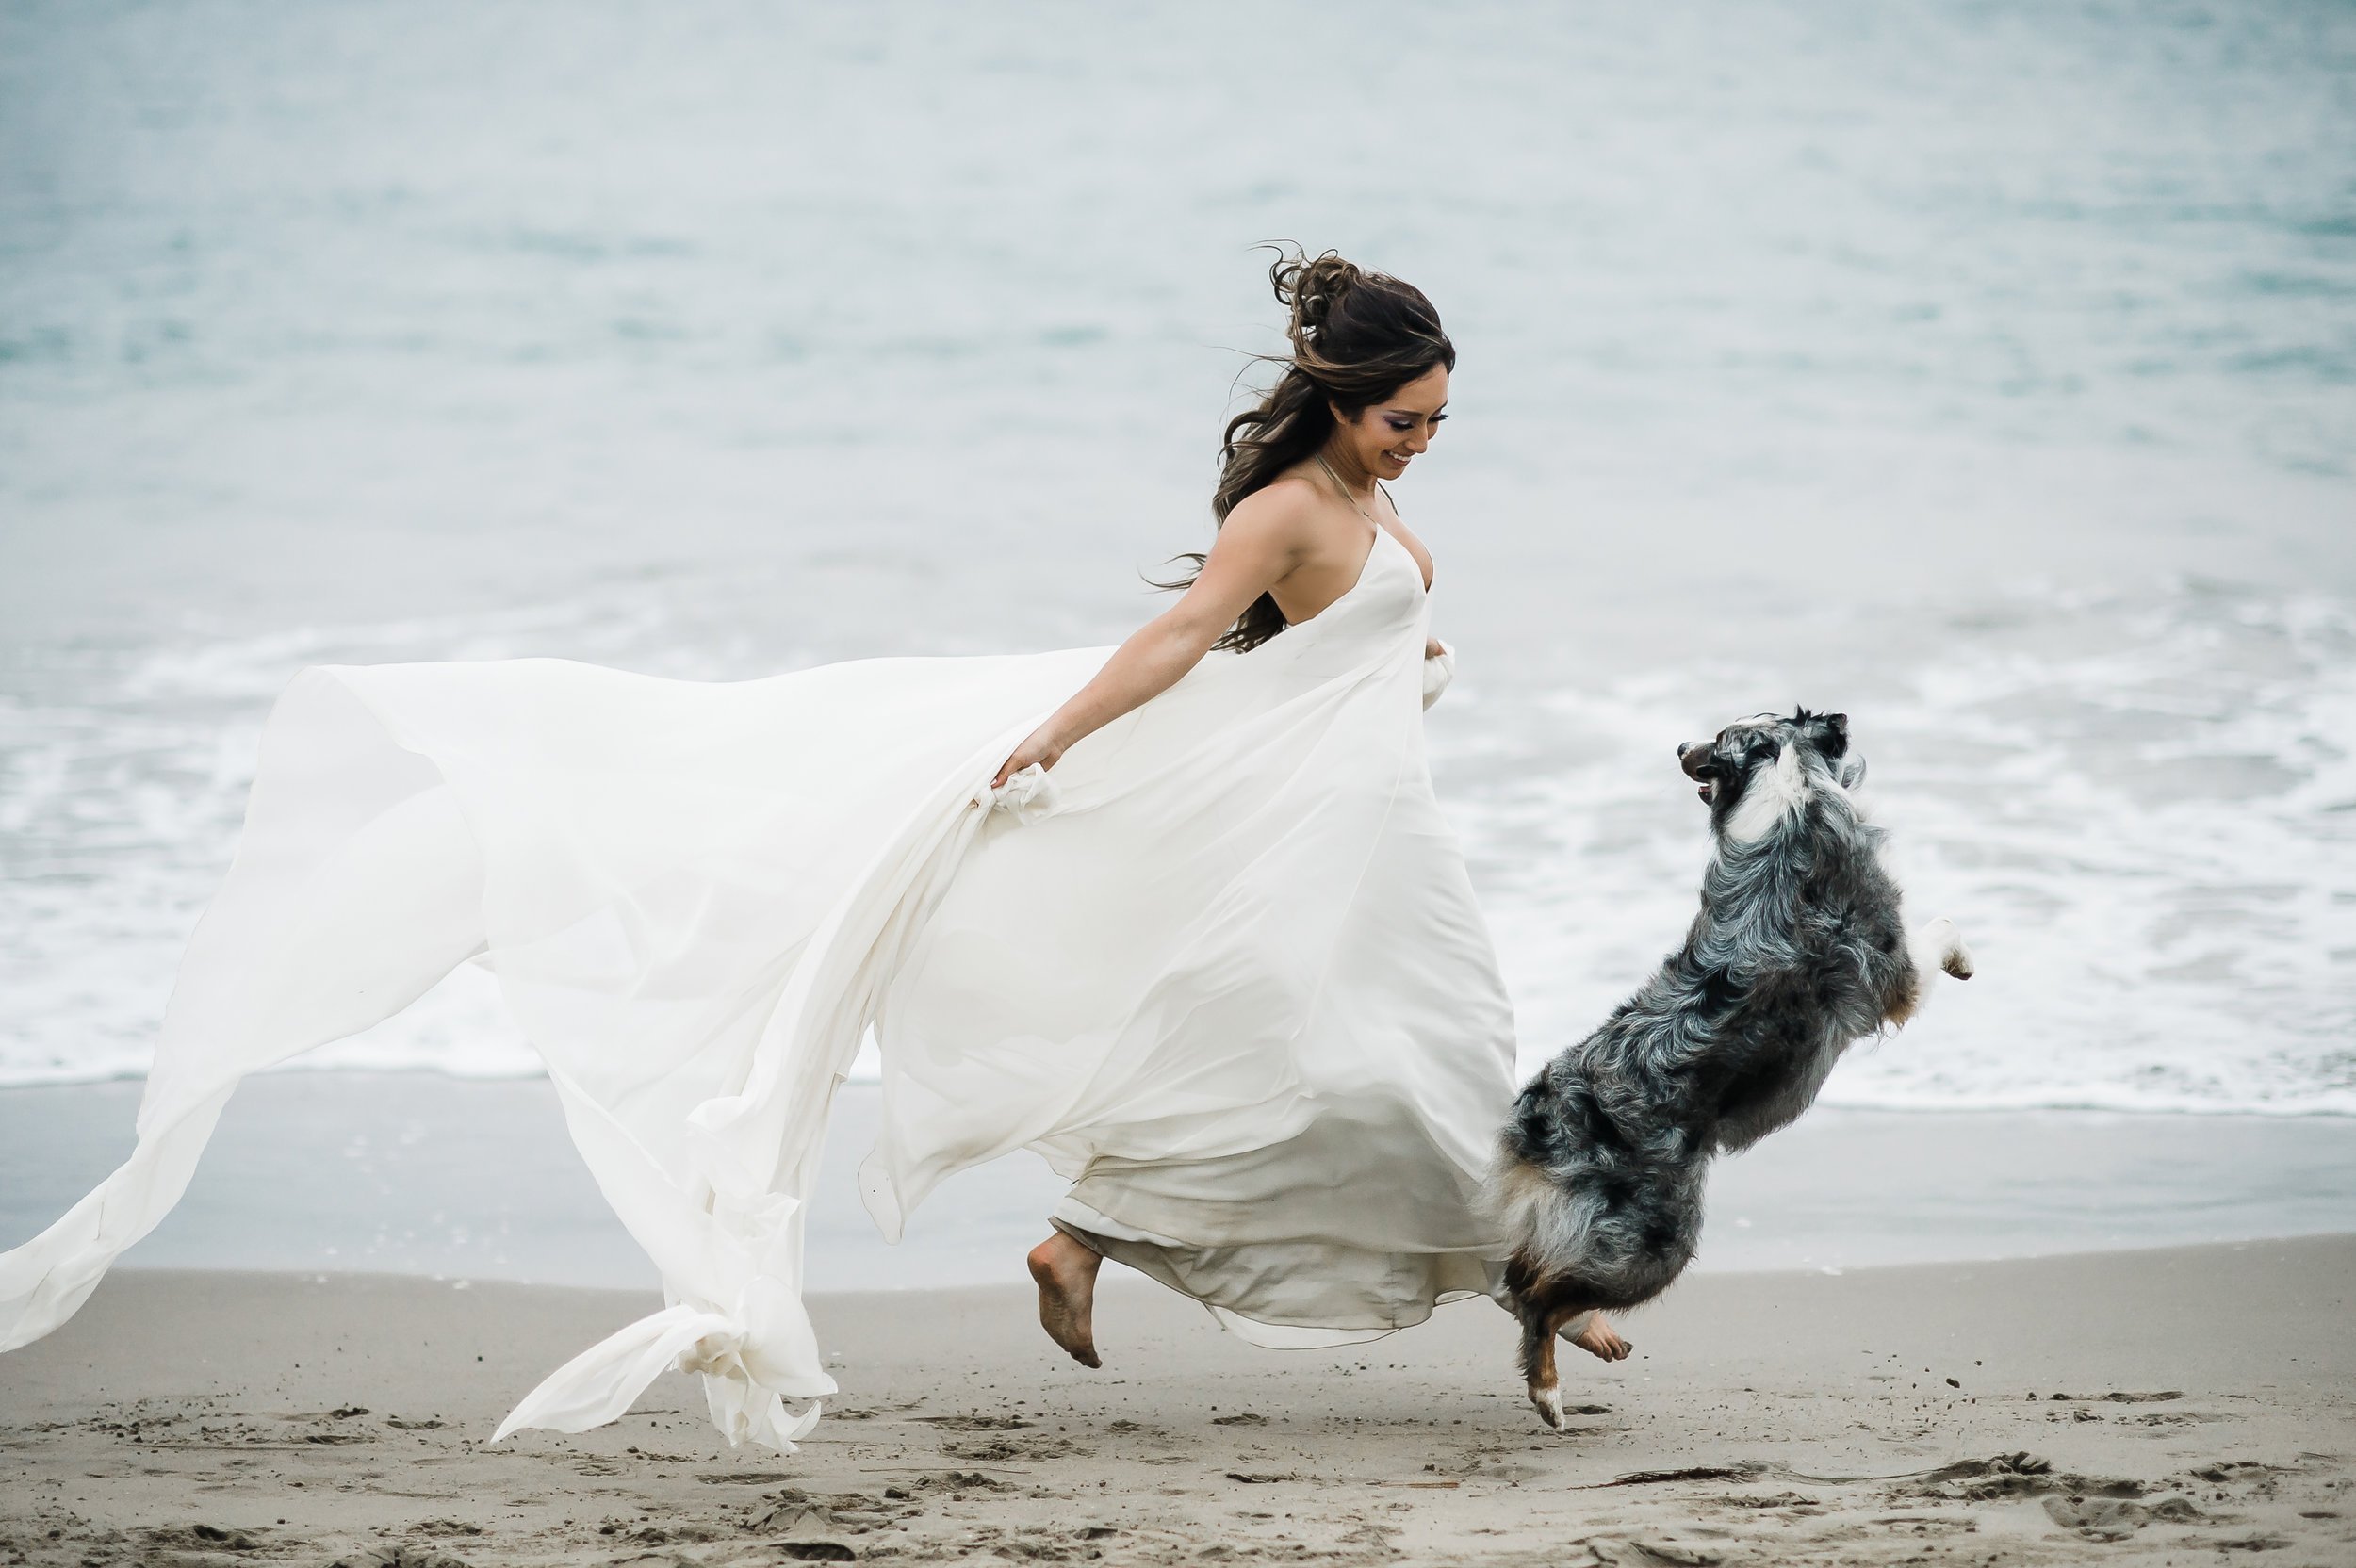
<point>1798,951</point>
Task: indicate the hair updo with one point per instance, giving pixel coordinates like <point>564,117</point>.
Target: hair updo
<point>1357,336</point>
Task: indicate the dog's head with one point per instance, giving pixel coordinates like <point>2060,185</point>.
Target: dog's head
<point>1756,770</point>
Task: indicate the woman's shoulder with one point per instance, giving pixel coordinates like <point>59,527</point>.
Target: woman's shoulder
<point>1284,505</point>
<point>1289,494</point>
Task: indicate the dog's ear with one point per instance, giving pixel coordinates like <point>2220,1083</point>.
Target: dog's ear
<point>1831,734</point>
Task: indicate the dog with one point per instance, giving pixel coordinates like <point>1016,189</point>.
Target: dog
<point>1798,951</point>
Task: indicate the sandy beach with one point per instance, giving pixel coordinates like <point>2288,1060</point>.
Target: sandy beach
<point>2182,1405</point>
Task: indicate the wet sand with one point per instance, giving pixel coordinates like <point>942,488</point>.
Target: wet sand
<point>2190,1404</point>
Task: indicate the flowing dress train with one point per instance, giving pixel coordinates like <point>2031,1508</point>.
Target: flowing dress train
<point>1223,969</point>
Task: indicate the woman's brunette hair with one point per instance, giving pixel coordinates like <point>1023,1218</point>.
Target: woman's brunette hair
<point>1357,336</point>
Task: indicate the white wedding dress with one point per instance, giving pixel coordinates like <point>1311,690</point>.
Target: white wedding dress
<point>1222,968</point>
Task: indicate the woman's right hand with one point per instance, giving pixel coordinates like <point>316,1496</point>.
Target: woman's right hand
<point>1041,747</point>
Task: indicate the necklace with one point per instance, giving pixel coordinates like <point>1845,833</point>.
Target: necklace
<point>1345,490</point>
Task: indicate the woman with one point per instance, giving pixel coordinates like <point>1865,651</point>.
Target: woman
<point>1221,967</point>
<point>1303,521</point>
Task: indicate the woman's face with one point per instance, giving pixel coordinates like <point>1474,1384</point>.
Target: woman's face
<point>1389,435</point>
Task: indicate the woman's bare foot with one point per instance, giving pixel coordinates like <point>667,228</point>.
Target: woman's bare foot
<point>1066,1273</point>
<point>1598,1339</point>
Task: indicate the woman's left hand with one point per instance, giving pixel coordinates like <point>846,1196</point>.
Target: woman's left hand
<point>1439,668</point>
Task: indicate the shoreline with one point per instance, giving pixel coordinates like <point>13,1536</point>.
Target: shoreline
<point>420,1173</point>
<point>2141,1406</point>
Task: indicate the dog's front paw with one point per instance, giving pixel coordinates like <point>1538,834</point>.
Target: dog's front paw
<point>1547,1402</point>
<point>1941,943</point>
<point>1957,960</point>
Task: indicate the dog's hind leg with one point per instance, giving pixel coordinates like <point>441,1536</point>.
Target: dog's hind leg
<point>1542,1320</point>
<point>1594,1333</point>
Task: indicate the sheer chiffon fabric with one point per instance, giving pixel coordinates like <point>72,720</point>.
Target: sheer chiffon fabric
<point>1222,968</point>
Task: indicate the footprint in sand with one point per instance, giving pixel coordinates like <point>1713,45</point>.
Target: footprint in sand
<point>398,1556</point>
<point>999,1450</point>
<point>445,1527</point>
<point>2115,1519</point>
<point>202,1538</point>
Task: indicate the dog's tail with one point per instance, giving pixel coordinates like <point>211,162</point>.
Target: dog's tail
<point>1541,1223</point>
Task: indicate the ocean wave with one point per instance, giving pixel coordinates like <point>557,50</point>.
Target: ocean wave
<point>2141,811</point>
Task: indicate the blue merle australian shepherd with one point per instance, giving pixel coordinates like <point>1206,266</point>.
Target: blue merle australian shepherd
<point>1799,949</point>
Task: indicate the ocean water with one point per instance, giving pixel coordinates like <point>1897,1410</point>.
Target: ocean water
<point>1987,372</point>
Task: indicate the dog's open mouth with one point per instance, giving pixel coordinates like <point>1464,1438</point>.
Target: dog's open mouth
<point>1702,768</point>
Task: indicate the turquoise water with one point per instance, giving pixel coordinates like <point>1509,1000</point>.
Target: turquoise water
<point>1987,371</point>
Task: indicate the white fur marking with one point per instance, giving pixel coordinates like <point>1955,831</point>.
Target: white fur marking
<point>1771,796</point>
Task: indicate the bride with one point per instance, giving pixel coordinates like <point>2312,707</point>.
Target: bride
<point>1199,937</point>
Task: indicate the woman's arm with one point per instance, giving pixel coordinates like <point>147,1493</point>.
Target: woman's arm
<point>1257,546</point>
